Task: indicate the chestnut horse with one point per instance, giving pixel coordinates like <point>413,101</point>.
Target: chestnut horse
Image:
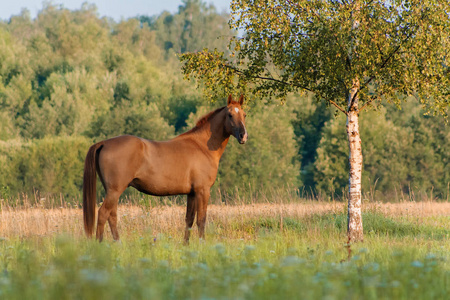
<point>186,164</point>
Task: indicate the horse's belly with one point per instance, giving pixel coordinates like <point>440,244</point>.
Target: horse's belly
<point>162,185</point>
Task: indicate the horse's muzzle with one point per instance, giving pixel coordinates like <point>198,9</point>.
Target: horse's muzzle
<point>243,137</point>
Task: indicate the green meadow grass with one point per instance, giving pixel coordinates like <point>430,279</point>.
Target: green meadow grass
<point>288,259</point>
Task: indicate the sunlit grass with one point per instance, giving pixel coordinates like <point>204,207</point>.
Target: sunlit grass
<point>273,265</point>
<point>260,251</point>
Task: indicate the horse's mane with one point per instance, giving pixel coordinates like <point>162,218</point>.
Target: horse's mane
<point>206,117</point>
<point>203,120</point>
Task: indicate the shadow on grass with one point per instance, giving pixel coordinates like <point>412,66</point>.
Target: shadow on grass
<point>374,224</point>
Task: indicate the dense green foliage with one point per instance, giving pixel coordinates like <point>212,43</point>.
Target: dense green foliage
<point>69,78</point>
<point>399,260</point>
<point>417,148</point>
<point>50,164</point>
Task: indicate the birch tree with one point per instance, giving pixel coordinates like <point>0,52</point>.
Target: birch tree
<point>354,55</point>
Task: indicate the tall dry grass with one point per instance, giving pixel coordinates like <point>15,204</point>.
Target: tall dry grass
<point>225,220</point>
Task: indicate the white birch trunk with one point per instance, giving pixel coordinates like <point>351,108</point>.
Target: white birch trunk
<point>355,227</point>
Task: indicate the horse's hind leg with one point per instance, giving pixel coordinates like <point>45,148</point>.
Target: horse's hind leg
<point>113,223</point>
<point>190,215</point>
<point>108,212</point>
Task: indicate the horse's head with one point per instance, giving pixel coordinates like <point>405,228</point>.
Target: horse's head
<point>235,119</point>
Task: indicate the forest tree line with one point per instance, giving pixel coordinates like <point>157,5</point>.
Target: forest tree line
<point>70,78</point>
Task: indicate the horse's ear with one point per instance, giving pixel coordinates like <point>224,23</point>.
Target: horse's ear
<point>230,99</point>
<point>241,100</point>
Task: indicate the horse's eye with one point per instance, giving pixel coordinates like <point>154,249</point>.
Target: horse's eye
<point>230,115</point>
<point>245,115</point>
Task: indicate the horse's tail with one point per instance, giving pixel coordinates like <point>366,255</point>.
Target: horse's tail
<point>89,188</point>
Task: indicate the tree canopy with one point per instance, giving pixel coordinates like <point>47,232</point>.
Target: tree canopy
<point>351,54</point>
<point>392,48</point>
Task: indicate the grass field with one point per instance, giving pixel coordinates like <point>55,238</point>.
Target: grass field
<point>259,251</point>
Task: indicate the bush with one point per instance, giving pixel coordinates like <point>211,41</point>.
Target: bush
<point>51,166</point>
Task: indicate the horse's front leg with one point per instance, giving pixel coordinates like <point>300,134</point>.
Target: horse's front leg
<point>201,199</point>
<point>190,215</point>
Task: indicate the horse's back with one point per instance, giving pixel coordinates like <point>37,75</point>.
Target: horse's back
<point>122,149</point>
